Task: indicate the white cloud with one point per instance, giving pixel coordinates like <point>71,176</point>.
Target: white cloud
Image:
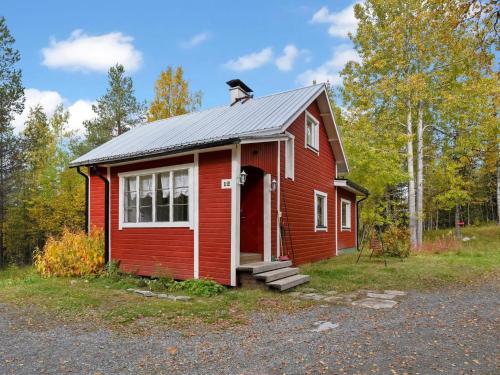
<point>251,61</point>
<point>286,61</point>
<point>341,23</point>
<point>329,71</point>
<point>79,110</point>
<point>196,40</point>
<point>83,52</point>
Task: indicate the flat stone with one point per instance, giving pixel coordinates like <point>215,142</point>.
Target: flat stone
<point>331,292</point>
<point>164,296</point>
<point>380,295</point>
<point>182,298</point>
<point>395,292</point>
<point>308,290</point>
<point>312,296</point>
<point>145,293</point>
<point>332,299</point>
<point>324,326</point>
<point>375,303</point>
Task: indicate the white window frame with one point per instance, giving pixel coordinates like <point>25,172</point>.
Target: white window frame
<point>290,156</point>
<point>347,227</point>
<point>154,172</point>
<point>317,194</point>
<point>315,133</point>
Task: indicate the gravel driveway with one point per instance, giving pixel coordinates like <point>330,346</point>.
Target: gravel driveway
<point>450,331</point>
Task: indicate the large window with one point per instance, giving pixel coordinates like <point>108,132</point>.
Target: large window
<point>312,132</point>
<point>320,211</point>
<point>290,157</point>
<point>160,197</point>
<point>345,214</point>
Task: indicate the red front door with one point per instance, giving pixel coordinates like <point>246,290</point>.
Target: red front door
<point>252,212</point>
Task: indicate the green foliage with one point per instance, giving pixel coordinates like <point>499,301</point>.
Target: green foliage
<point>73,254</point>
<point>116,112</point>
<point>202,288</point>
<point>172,96</point>
<point>396,242</point>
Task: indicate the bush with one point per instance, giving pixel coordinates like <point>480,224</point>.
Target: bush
<point>73,254</point>
<point>202,288</point>
<point>396,242</point>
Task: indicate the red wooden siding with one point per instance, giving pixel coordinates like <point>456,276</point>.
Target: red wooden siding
<point>347,238</point>
<point>96,206</point>
<point>149,251</point>
<point>313,171</point>
<point>215,217</point>
<point>265,157</point>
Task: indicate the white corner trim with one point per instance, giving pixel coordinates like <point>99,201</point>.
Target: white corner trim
<point>325,211</point>
<point>290,164</point>
<point>267,217</point>
<point>347,228</point>
<point>235,211</point>
<point>336,224</point>
<point>278,203</point>
<point>108,172</point>
<point>196,218</point>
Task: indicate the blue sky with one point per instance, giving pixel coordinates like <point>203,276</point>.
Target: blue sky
<point>66,47</point>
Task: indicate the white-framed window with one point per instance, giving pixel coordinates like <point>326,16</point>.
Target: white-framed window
<point>312,132</point>
<point>290,157</point>
<point>320,211</point>
<point>345,214</point>
<point>159,197</point>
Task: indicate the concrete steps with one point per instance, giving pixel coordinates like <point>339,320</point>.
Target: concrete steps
<point>276,275</point>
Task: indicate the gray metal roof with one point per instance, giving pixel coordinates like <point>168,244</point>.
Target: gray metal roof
<point>254,118</point>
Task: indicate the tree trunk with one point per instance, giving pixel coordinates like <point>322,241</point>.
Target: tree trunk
<point>411,179</point>
<point>420,172</point>
<point>498,187</point>
<point>437,219</point>
<point>458,231</point>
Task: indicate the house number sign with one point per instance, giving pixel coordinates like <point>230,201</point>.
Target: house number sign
<point>225,184</point>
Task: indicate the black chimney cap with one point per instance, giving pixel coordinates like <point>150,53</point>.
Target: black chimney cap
<point>238,82</point>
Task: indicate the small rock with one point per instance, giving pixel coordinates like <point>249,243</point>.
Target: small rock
<point>312,296</point>
<point>380,295</point>
<point>324,326</point>
<point>131,290</point>
<point>164,296</point>
<point>145,293</point>
<point>395,292</point>
<point>308,290</point>
<point>331,292</point>
<point>182,298</point>
<point>375,303</point>
<point>466,239</point>
<point>72,282</point>
<point>332,299</point>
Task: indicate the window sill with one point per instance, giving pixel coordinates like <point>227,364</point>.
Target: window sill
<point>177,224</point>
<point>321,229</point>
<point>313,149</point>
<point>346,229</point>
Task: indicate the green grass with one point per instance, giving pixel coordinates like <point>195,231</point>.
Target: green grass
<point>443,261</point>
<point>104,299</point>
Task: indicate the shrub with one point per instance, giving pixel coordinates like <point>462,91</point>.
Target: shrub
<point>396,242</point>
<point>73,254</point>
<point>202,288</point>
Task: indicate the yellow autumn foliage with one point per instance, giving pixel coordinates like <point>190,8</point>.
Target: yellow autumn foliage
<point>72,254</point>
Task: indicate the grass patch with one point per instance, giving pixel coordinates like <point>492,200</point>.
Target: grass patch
<point>105,299</point>
<point>443,261</point>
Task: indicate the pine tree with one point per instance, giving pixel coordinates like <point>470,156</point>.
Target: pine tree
<point>117,111</point>
<point>11,103</point>
<point>172,96</point>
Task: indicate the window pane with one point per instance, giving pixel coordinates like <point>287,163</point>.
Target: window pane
<point>163,197</point>
<point>309,133</point>
<point>145,199</point>
<point>320,219</point>
<point>181,195</point>
<point>130,200</point>
<point>344,214</point>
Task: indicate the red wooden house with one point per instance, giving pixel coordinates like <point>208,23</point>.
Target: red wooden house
<point>202,194</point>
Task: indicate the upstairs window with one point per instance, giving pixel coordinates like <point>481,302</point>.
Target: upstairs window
<point>312,132</point>
<point>345,214</point>
<point>290,157</point>
<point>159,198</point>
<point>320,211</point>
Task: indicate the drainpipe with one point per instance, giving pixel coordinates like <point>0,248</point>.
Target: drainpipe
<point>357,221</point>
<point>95,171</point>
<point>86,199</point>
